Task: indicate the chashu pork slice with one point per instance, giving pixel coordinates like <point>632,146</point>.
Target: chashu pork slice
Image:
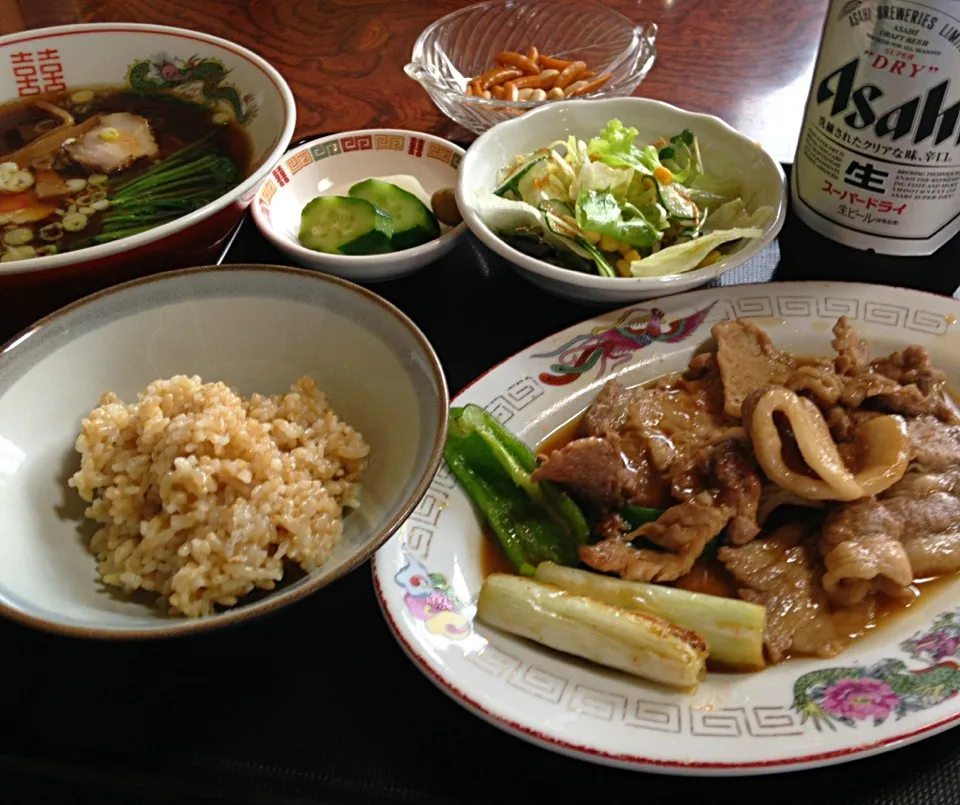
<point>116,142</point>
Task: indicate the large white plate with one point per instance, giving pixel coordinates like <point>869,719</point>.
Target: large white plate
<point>897,685</point>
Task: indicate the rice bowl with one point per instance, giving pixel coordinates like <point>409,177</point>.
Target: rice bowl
<point>255,329</point>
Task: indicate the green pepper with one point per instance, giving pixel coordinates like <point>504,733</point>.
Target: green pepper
<point>519,461</point>
<point>636,516</point>
<point>534,522</point>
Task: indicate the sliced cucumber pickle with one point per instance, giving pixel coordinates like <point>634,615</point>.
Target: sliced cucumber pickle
<point>413,222</point>
<point>345,225</point>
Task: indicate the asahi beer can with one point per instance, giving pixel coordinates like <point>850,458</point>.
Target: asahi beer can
<point>878,161</point>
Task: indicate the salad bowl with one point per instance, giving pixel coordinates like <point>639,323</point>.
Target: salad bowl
<point>737,183</point>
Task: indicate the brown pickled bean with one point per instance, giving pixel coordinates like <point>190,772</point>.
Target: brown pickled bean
<point>444,205</point>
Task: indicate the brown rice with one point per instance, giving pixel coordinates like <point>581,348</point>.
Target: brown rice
<point>204,494</point>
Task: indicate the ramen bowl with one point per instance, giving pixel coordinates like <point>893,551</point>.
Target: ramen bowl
<point>236,85</point>
<point>329,166</point>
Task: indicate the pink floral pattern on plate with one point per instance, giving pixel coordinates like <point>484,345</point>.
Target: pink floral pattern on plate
<point>886,689</point>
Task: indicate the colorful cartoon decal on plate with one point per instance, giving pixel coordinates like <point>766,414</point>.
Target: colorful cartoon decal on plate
<point>610,347</point>
<point>430,599</point>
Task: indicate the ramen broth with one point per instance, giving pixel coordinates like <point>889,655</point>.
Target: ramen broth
<point>222,160</point>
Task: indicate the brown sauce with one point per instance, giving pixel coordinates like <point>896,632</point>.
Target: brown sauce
<point>709,576</point>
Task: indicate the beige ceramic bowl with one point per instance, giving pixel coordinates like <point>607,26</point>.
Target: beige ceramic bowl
<point>255,327</point>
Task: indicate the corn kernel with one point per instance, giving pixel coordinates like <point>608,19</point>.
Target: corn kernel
<point>608,244</point>
<point>623,247</point>
<point>82,96</point>
<point>623,268</point>
<point>663,175</point>
<point>592,237</point>
<point>110,134</point>
<point>632,256</point>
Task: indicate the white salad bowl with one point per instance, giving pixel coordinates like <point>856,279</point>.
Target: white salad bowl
<point>727,154</point>
<point>255,328</point>
<point>329,166</point>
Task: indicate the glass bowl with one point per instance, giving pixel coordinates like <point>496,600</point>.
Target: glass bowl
<point>461,46</point>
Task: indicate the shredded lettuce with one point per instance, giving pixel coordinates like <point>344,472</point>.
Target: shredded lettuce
<point>601,198</point>
<point>687,256</point>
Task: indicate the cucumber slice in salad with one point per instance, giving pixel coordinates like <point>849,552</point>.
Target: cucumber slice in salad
<point>512,182</point>
<point>677,204</point>
<point>413,223</point>
<point>344,225</point>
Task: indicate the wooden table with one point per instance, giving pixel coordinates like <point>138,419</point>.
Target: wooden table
<point>747,61</point>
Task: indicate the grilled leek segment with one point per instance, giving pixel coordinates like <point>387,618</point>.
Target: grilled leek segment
<point>640,644</point>
<point>732,629</point>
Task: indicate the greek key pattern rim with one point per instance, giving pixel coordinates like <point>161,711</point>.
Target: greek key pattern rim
<point>295,161</point>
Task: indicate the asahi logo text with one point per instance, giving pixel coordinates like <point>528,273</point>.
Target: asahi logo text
<point>862,108</point>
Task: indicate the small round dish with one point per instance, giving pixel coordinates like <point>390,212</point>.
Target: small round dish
<point>329,166</point>
<point>462,45</point>
<point>255,328</point>
<point>727,154</point>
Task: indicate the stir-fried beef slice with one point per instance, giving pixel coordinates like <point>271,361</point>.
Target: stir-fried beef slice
<point>676,423</point>
<point>683,531</point>
<point>935,445</point>
<point>921,386</point>
<point>843,422</point>
<point>861,549</point>
<point>782,573</point>
<point>887,543</point>
<point>609,465</point>
<point>925,507</point>
<point>638,443</point>
<point>911,366</point>
<point>905,382</point>
<point>593,469</point>
<point>853,355</point>
<point>910,531</point>
<point>609,411</point>
<point>910,400</point>
<point>748,361</point>
<point>735,474</point>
